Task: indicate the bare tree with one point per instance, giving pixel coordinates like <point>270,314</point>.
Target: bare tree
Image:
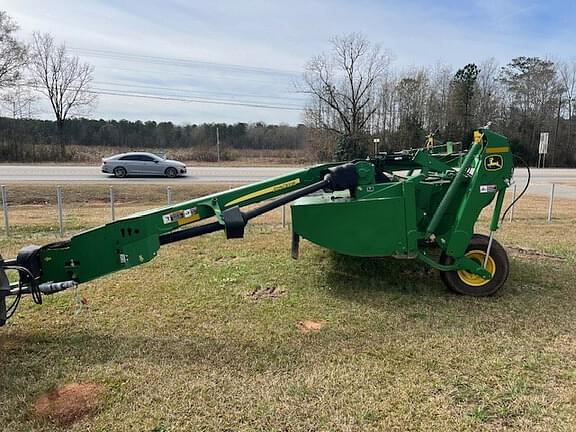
<point>489,94</point>
<point>342,84</point>
<point>437,105</point>
<point>62,78</point>
<point>387,100</point>
<point>13,55</point>
<point>567,72</point>
<point>535,90</point>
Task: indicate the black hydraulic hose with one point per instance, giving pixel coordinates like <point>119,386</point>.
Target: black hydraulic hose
<point>250,214</point>
<point>217,226</point>
<point>190,232</point>
<point>339,178</point>
<point>523,190</point>
<point>8,312</point>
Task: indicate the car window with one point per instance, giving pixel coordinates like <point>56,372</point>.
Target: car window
<point>137,157</point>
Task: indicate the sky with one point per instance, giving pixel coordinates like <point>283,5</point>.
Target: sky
<point>190,61</point>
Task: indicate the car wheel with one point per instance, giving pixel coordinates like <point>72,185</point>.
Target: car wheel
<point>120,172</point>
<point>171,172</point>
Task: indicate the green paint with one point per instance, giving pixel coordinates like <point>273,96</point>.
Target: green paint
<point>439,200</point>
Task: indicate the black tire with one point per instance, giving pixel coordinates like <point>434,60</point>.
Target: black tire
<point>171,172</point>
<point>120,172</point>
<point>466,283</point>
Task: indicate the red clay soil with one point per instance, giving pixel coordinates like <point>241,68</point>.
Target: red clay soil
<point>307,326</point>
<point>69,403</point>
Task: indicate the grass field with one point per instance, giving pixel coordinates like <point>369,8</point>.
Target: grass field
<point>180,344</point>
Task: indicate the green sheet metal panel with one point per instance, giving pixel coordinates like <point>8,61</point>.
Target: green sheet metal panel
<point>371,227</point>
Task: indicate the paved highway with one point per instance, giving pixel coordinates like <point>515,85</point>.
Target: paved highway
<point>82,173</point>
<point>41,173</point>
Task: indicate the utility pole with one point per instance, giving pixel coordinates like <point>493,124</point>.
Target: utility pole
<point>218,143</point>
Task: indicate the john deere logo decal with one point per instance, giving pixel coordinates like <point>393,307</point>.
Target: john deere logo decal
<point>493,163</point>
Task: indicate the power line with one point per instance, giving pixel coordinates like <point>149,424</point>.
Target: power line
<point>175,61</point>
<point>108,92</point>
<point>198,92</point>
<point>194,100</point>
<point>191,96</point>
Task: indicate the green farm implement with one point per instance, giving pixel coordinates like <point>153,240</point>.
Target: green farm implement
<point>403,204</point>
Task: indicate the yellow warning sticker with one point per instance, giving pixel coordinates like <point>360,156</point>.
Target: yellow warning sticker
<point>183,216</point>
<point>264,191</point>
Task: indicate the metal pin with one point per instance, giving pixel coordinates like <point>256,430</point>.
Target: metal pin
<point>488,249</point>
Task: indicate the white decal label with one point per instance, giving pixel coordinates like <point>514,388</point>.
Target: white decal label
<point>180,214</point>
<point>488,188</point>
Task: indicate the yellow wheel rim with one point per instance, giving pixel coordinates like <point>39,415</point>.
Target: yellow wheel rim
<point>472,279</point>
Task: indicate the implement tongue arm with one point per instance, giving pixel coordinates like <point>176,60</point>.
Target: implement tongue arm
<point>134,240</point>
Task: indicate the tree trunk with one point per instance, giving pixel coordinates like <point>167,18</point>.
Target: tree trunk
<point>61,141</point>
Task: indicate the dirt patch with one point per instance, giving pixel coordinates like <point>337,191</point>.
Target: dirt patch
<point>265,293</point>
<point>69,403</point>
<point>307,326</point>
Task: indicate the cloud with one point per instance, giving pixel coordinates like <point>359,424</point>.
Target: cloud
<point>253,51</point>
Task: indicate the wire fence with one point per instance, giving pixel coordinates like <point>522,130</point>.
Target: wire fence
<point>55,212</point>
<point>61,211</point>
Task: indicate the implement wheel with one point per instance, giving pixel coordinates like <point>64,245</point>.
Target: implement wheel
<point>467,283</point>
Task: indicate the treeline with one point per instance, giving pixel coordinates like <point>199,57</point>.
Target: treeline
<point>520,99</point>
<point>356,94</point>
<point>20,139</point>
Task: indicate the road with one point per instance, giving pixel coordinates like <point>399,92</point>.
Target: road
<point>540,184</point>
<point>82,173</point>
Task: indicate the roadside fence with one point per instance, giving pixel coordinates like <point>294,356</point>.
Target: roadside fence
<point>113,206</point>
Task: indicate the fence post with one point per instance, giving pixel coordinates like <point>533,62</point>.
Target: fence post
<point>5,207</point>
<point>60,210</point>
<point>112,213</point>
<point>283,216</point>
<point>551,204</point>
<point>169,195</point>
<point>513,203</point>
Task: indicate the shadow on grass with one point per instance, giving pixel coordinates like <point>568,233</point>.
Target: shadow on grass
<point>364,279</point>
<point>349,276</point>
<point>34,363</point>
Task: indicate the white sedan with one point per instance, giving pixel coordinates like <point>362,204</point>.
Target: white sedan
<point>139,163</point>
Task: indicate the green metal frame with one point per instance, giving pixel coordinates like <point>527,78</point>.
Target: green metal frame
<point>401,203</point>
<point>439,201</point>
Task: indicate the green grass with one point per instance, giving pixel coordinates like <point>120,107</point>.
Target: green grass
<point>179,346</point>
